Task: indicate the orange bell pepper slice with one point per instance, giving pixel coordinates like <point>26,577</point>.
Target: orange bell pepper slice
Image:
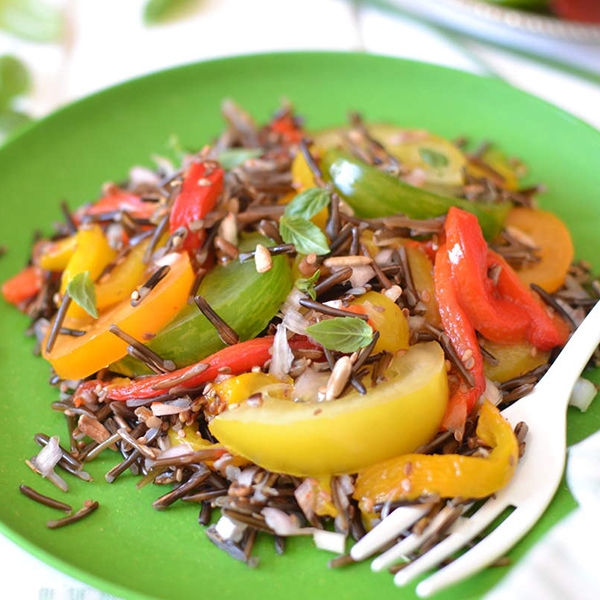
<point>23,285</point>
<point>447,475</point>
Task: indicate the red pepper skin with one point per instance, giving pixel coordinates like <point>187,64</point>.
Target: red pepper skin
<point>495,317</point>
<point>464,340</point>
<point>23,285</point>
<point>120,200</point>
<point>286,126</point>
<point>202,186</point>
<point>544,332</point>
<point>240,358</point>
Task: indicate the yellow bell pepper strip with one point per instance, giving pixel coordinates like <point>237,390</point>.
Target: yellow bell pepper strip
<point>386,317</point>
<point>79,357</point>
<point>236,390</point>
<point>23,285</point>
<point>513,361</point>
<point>92,254</point>
<point>317,439</point>
<point>448,475</point>
<point>421,269</point>
<point>373,193</point>
<point>55,256</point>
<point>123,279</point>
<point>303,179</point>
<point>553,242</point>
<point>500,166</point>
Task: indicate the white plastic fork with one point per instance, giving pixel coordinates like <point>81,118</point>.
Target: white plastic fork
<point>530,491</point>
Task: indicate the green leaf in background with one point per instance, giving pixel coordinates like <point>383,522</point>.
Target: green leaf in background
<point>307,284</point>
<point>14,79</point>
<point>303,234</point>
<point>159,11</point>
<point>33,20</point>
<point>344,334</point>
<point>234,157</point>
<point>433,158</point>
<point>308,203</point>
<point>11,121</point>
<point>81,290</point>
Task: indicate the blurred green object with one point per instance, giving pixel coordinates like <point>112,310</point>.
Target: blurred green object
<point>158,11</point>
<point>524,4</point>
<point>33,20</point>
<point>14,82</point>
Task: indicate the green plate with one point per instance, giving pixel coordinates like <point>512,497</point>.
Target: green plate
<point>126,547</point>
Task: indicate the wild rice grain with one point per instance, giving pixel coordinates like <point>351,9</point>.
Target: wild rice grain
<point>45,500</point>
<point>82,513</point>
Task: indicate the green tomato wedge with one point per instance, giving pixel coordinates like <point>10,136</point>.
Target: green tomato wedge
<point>373,194</point>
<point>245,299</point>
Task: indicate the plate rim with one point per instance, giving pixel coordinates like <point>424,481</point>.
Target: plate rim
<point>6,530</point>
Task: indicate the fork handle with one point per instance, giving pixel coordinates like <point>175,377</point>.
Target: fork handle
<point>569,364</point>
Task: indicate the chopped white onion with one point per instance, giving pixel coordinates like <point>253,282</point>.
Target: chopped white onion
<point>160,409</point>
<point>308,384</point>
<point>167,260</point>
<point>182,449</point>
<point>164,164</point>
<point>346,484</point>
<point>384,257</point>
<point>47,457</point>
<point>230,530</point>
<point>282,355</point>
<point>246,477</point>
<point>492,392</point>
<point>283,524</point>
<point>332,541</point>
<point>296,322</point>
<point>584,391</point>
<point>142,176</point>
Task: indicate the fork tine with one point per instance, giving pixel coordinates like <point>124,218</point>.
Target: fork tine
<point>497,543</point>
<point>464,532</point>
<point>391,527</point>
<point>408,544</point>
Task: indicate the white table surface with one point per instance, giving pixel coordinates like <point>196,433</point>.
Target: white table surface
<point>108,43</point>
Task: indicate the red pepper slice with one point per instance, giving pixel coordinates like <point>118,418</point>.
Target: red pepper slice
<point>240,358</point>
<point>495,317</point>
<point>119,200</point>
<point>464,340</point>
<point>202,186</point>
<point>286,126</point>
<point>23,285</point>
<point>544,332</point>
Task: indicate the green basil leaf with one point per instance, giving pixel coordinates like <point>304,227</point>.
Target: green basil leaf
<point>81,290</point>
<point>234,157</point>
<point>433,157</point>
<point>33,20</point>
<point>344,334</point>
<point>308,203</point>
<point>10,122</point>
<point>303,234</point>
<point>307,284</point>
<point>159,11</point>
<point>14,79</point>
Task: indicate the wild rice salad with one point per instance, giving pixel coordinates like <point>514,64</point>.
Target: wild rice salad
<point>302,330</point>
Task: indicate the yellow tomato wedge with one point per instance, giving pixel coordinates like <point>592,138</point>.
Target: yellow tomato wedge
<point>386,317</point>
<point>56,255</point>
<point>238,389</point>
<point>552,238</point>
<point>513,361</point>
<point>79,357</point>
<point>317,439</point>
<point>123,279</point>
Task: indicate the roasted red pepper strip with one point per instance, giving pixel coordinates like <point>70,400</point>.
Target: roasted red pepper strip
<point>23,285</point>
<point>544,332</point>
<point>119,200</point>
<point>285,125</point>
<point>495,317</point>
<point>464,340</point>
<point>240,358</point>
<point>202,186</point>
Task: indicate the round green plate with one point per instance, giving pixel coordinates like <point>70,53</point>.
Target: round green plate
<point>126,547</point>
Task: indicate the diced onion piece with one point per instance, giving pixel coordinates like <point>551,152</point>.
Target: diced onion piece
<point>283,524</point>
<point>584,391</point>
<point>230,530</point>
<point>331,541</point>
<point>47,457</point>
<point>283,357</point>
